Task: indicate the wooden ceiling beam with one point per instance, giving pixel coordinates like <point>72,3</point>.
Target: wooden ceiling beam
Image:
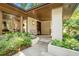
<point>9,9</point>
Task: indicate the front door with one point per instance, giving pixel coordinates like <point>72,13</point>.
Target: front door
<point>38,27</point>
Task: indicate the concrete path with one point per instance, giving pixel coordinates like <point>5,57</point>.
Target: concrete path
<point>39,49</point>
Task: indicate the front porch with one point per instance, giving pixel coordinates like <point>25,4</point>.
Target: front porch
<point>45,22</point>
<point>38,21</point>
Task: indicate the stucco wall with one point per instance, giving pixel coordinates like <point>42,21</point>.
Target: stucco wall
<point>45,27</point>
<point>56,25</point>
<point>32,25</point>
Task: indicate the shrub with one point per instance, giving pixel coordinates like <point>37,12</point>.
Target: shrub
<point>67,43</point>
<point>12,41</point>
<point>57,42</point>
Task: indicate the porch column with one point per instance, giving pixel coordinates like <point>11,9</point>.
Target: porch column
<point>56,25</point>
<point>26,25</point>
<point>1,17</point>
<point>21,24</point>
<point>12,23</point>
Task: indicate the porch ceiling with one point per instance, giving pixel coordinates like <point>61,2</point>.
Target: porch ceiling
<point>43,13</point>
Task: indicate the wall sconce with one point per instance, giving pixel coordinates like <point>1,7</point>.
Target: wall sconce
<point>33,22</point>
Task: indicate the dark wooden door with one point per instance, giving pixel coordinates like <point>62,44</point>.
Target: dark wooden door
<point>38,27</point>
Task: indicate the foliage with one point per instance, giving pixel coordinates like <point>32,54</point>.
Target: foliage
<point>27,6</point>
<point>69,43</point>
<point>57,43</point>
<point>23,5</point>
<point>12,41</point>
<point>70,33</point>
<point>76,13</point>
<point>71,26</point>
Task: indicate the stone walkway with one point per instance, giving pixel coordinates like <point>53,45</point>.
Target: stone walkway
<point>39,49</point>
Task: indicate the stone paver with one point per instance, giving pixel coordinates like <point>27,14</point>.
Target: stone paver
<point>39,49</point>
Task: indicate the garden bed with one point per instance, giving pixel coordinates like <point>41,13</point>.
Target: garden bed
<point>12,43</point>
<point>60,51</point>
<point>11,52</point>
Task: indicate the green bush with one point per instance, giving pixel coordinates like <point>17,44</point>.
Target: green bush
<point>69,43</point>
<point>12,41</point>
<point>57,42</point>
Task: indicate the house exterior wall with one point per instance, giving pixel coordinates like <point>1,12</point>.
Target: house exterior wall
<point>45,27</point>
<point>56,25</point>
<point>32,25</point>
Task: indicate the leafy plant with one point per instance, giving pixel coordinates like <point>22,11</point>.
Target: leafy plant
<point>12,41</point>
<point>71,25</point>
<point>57,42</point>
<point>71,31</point>
<point>69,43</point>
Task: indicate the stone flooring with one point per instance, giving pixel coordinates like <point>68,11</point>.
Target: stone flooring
<point>39,49</point>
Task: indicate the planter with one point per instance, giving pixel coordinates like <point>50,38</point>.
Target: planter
<point>60,51</point>
<point>35,40</point>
